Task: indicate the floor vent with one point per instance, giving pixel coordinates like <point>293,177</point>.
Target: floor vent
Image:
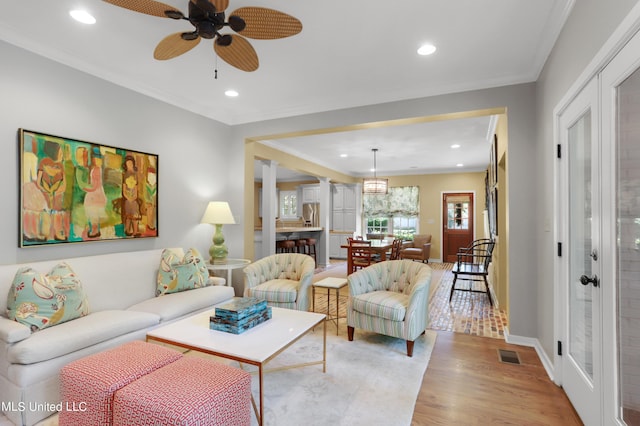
<point>509,357</point>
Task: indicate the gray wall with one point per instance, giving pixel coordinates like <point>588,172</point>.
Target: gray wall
<point>45,96</point>
<point>588,27</point>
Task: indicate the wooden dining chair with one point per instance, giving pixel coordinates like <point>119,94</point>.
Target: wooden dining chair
<point>360,254</point>
<point>395,249</point>
<point>361,257</point>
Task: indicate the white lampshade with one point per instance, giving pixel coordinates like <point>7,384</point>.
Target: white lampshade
<point>218,213</point>
<point>375,186</point>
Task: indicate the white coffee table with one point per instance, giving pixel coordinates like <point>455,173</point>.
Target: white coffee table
<point>330,283</point>
<point>228,265</point>
<point>256,346</point>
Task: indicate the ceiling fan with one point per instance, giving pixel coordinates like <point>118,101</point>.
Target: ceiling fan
<point>208,18</point>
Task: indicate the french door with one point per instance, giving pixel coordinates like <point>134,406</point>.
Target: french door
<point>599,271</point>
<point>621,153</point>
<point>580,277</point>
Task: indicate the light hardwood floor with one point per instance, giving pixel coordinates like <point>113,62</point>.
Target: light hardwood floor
<point>466,384</point>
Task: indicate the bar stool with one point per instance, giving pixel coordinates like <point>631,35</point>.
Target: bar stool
<point>301,245</point>
<point>311,248</point>
<point>285,246</point>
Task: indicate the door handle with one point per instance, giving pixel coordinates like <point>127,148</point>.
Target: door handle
<point>585,280</point>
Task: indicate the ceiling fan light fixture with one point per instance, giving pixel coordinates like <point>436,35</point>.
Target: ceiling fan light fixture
<point>209,18</point>
<point>236,23</point>
<point>206,6</point>
<point>206,29</point>
<point>375,185</point>
<point>174,14</point>
<point>189,36</point>
<point>224,40</point>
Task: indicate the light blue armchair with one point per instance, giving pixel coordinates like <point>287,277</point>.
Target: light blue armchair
<point>390,298</point>
<point>283,280</point>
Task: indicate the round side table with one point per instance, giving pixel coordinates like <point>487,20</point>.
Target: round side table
<point>228,265</point>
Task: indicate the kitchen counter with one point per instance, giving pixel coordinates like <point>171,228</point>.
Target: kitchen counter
<point>294,229</point>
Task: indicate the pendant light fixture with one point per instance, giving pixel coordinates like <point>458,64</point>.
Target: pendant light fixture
<point>375,185</point>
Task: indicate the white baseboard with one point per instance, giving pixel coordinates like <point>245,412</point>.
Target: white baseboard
<point>532,343</point>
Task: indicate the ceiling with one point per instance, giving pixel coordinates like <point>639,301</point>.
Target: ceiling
<point>435,147</point>
<point>349,53</point>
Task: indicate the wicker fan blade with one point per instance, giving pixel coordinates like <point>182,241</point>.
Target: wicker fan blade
<point>148,7</point>
<point>174,45</point>
<point>220,5</point>
<point>267,24</point>
<point>239,53</point>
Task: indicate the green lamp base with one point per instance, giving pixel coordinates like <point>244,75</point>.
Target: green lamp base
<point>218,251</point>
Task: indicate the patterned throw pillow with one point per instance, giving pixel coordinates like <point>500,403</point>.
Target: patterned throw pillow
<point>40,301</point>
<point>180,273</point>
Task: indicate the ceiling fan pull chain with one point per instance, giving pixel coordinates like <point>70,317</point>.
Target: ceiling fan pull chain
<point>215,71</point>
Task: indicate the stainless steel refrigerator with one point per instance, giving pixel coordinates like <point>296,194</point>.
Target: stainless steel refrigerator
<point>311,214</point>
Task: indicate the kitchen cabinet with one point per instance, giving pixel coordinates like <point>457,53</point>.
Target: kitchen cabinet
<point>350,197</point>
<point>335,241</point>
<point>337,197</point>
<point>345,201</point>
<point>310,193</point>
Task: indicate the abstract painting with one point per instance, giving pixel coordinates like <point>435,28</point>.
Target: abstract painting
<point>75,191</point>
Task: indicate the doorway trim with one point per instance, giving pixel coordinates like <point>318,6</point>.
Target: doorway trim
<point>253,149</point>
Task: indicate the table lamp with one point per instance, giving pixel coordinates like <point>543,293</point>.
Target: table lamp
<point>218,213</point>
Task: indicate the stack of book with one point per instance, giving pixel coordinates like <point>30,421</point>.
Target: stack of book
<point>239,315</point>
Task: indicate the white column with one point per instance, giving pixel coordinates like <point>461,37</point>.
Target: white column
<point>269,206</point>
<point>325,214</point>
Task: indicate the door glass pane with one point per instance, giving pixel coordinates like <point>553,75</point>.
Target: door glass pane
<point>628,213</point>
<point>458,215</point>
<point>580,324</point>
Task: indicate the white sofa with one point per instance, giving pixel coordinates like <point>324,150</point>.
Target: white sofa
<point>121,290</point>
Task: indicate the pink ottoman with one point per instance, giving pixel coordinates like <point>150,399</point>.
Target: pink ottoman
<point>190,391</point>
<point>87,385</point>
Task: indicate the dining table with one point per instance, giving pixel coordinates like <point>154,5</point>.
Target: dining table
<point>379,247</point>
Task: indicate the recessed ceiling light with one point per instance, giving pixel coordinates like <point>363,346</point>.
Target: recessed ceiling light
<point>231,93</point>
<point>459,165</point>
<point>426,49</point>
<point>343,156</point>
<point>82,16</point>
<point>455,146</point>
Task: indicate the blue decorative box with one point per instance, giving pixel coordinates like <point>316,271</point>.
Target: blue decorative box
<point>240,307</point>
<point>239,315</point>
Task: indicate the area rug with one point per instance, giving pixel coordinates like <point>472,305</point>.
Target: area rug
<point>370,380</point>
